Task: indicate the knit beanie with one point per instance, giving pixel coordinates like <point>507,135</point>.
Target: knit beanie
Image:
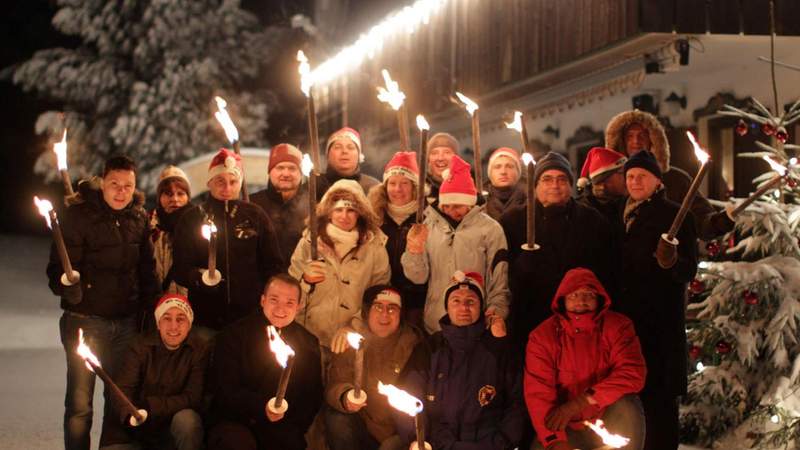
<point>509,153</point>
<point>644,160</point>
<point>174,301</point>
<point>345,133</point>
<point>382,292</point>
<point>284,153</point>
<point>462,280</point>
<point>600,163</point>
<point>172,174</point>
<point>457,187</point>
<point>553,161</point>
<point>443,140</point>
<point>402,163</point>
<point>225,161</point>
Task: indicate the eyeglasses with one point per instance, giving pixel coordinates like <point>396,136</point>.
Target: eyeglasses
<point>547,179</point>
<point>583,295</point>
<point>389,309</point>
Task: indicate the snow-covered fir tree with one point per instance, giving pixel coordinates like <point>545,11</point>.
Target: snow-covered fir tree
<point>143,80</point>
<point>744,341</point>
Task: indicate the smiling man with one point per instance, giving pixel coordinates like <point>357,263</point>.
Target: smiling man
<point>164,375</point>
<point>247,376</point>
<point>285,200</point>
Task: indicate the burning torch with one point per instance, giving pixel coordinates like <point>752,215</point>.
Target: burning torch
<point>395,98</point>
<point>211,276</point>
<point>472,110</point>
<point>407,403</point>
<point>70,275</point>
<point>233,136</point>
<point>285,357</point>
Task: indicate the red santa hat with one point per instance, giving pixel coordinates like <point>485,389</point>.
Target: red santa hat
<point>345,133</point>
<point>169,301</point>
<point>509,153</point>
<point>225,161</point>
<point>600,163</point>
<point>465,280</point>
<point>284,153</point>
<point>457,186</point>
<point>402,163</point>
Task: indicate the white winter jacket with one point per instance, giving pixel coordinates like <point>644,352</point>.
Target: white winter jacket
<point>337,300</point>
<point>477,244</point>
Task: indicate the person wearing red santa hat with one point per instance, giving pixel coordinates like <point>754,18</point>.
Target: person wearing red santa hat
<point>455,232</point>
<point>247,249</point>
<point>163,373</point>
<point>602,182</point>
<point>395,203</point>
<point>345,155</point>
<point>285,200</point>
<point>505,189</point>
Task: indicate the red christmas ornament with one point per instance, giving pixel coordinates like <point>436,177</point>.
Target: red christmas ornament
<point>697,286</point>
<point>695,352</point>
<point>768,129</point>
<point>741,128</point>
<point>750,297</point>
<point>712,248</point>
<point>782,135</point>
<point>723,348</point>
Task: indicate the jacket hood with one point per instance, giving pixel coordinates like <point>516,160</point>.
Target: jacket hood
<point>89,190</point>
<point>577,278</point>
<point>378,200</point>
<point>351,191</point>
<point>659,145</point>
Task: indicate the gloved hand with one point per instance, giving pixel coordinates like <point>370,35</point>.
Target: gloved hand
<point>339,342</point>
<point>559,417</point>
<point>72,294</point>
<point>416,238</point>
<point>315,272</point>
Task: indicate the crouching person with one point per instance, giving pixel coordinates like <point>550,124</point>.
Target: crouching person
<point>247,375</point>
<point>164,375</point>
<point>467,376</point>
<point>584,363</point>
<point>388,342</point>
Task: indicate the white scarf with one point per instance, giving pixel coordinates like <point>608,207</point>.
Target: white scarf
<point>343,241</point>
<point>400,213</point>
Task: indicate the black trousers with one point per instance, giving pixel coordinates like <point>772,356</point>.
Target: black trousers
<point>661,419</point>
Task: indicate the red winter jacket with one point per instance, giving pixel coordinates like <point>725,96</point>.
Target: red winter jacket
<point>572,355</point>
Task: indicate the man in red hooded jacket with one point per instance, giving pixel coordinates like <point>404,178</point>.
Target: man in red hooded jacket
<point>584,363</point>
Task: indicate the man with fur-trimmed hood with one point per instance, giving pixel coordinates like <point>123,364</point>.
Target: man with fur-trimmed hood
<point>630,132</point>
<point>352,257</point>
<point>106,236</point>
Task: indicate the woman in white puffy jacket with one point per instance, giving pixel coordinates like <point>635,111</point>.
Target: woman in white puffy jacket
<point>352,257</point>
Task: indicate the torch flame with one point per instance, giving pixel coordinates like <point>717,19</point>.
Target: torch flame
<point>225,120</point>
<point>306,166</point>
<point>354,339</point>
<point>515,124</point>
<point>698,151</point>
<point>775,166</point>
<point>392,94</point>
<point>207,229</point>
<point>612,440</point>
<point>44,207</point>
<point>468,103</point>
<point>85,352</point>
<point>281,350</point>
<point>60,149</point>
<point>527,158</point>
<point>305,73</point>
<point>422,124</point>
<point>400,399</point>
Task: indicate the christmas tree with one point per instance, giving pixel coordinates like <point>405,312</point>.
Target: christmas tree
<point>744,391</point>
<point>142,80</point>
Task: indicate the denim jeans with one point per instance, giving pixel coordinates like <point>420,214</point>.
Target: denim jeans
<point>185,433</point>
<point>624,417</point>
<point>108,340</point>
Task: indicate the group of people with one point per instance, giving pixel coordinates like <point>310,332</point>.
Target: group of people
<point>505,346</point>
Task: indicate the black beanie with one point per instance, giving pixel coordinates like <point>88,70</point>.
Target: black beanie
<point>553,161</point>
<point>644,160</point>
<point>372,293</point>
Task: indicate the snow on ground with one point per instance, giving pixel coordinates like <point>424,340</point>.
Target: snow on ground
<point>32,367</point>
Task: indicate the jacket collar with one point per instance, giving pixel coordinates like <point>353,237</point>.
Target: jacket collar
<point>462,338</point>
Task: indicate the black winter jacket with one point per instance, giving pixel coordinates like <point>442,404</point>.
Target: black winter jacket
<point>413,294</point>
<point>501,200</point>
<point>654,298</point>
<point>112,251</point>
<point>247,377</point>
<point>159,380</point>
<point>287,217</point>
<point>570,236</point>
<point>247,255</point>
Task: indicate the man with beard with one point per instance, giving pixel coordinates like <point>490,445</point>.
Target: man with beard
<point>285,200</point>
<point>173,194</point>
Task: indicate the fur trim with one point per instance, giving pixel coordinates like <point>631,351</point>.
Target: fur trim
<point>360,204</point>
<point>615,134</point>
<point>378,199</point>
